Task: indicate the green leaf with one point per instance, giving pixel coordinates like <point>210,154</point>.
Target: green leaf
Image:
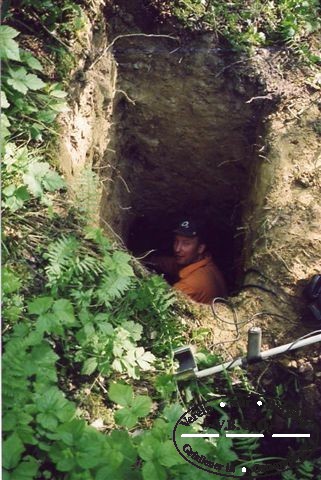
<point>26,470</point>
<point>12,449</point>
<point>111,470</point>
<point>70,432</point>
<point>173,412</point>
<point>112,287</point>
<point>22,81</point>
<point>46,116</point>
<point>141,405</point>
<point>10,282</point>
<point>40,305</point>
<point>3,100</point>
<point>117,365</point>
<point>165,385</point>
<point>168,455</point>
<point>65,311</point>
<point>121,260</point>
<point>9,48</point>
<point>153,471</point>
<point>17,198</point>
<point>121,394</point>
<point>149,447</point>
<point>9,190</point>
<point>58,93</point>
<point>34,82</point>
<point>13,203</point>
<point>49,323</point>
<point>31,61</point>
<point>59,107</point>
<point>22,194</point>
<point>66,461</point>
<point>18,80</point>
<point>89,366</point>
<point>53,181</point>
<point>59,454</point>
<point>47,420</point>
<point>36,131</point>
<point>126,418</point>
<point>4,123</point>
<point>40,177</point>
<point>144,358</point>
<point>34,175</point>
<point>224,453</point>
<point>134,328</point>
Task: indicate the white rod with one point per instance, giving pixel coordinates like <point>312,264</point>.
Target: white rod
<point>265,354</point>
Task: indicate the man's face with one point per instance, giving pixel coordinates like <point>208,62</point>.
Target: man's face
<point>187,250</point>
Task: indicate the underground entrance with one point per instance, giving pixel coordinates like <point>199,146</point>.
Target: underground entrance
<point>183,143</point>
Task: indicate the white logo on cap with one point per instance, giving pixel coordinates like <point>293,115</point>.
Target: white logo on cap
<point>185,224</point>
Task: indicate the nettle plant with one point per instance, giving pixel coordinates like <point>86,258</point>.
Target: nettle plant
<point>29,107</point>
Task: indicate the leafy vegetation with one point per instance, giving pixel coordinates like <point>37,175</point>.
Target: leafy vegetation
<point>246,24</point>
<point>76,312</point>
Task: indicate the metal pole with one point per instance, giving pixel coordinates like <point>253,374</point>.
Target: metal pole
<point>265,354</point>
<point>254,343</point>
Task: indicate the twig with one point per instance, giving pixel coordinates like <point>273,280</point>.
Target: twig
<point>126,96</point>
<point>265,158</point>
<point>51,33</point>
<point>127,188</point>
<point>113,231</point>
<point>93,384</point>
<point>229,66</point>
<point>262,375</point>
<point>261,97</point>
<point>227,161</point>
<point>175,50</point>
<point>106,49</point>
<point>5,329</point>
<point>283,261</point>
<point>146,254</point>
<point>102,386</point>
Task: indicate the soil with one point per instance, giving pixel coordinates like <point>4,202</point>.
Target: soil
<point>174,126</point>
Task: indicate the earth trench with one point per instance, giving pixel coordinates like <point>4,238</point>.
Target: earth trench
<point>183,143</point>
<point>174,126</point>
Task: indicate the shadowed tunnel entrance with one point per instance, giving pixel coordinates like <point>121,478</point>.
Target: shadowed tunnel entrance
<point>183,144</point>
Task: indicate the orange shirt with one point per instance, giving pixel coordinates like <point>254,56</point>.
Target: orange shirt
<point>201,281</point>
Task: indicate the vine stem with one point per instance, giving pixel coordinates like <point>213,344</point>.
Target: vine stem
<point>42,124</point>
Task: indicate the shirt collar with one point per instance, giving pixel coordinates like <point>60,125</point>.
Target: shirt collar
<point>185,271</point>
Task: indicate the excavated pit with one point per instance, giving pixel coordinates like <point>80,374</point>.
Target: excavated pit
<point>175,128</point>
<point>183,143</point>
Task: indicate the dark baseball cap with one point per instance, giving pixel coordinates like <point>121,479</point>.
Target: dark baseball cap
<point>190,227</point>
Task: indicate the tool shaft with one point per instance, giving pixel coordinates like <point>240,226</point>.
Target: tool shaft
<point>265,354</point>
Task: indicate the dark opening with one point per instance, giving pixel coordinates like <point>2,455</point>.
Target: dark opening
<point>183,145</point>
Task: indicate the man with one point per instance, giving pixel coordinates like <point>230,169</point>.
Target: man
<point>197,275</point>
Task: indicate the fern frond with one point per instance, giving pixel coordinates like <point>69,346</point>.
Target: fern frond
<point>61,254</point>
<point>111,287</point>
<point>69,260</point>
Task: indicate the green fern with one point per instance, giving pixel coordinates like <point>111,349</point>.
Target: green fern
<point>68,262</point>
<point>112,287</point>
<point>304,472</point>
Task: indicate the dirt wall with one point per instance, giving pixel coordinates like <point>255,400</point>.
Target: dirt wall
<point>177,125</point>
